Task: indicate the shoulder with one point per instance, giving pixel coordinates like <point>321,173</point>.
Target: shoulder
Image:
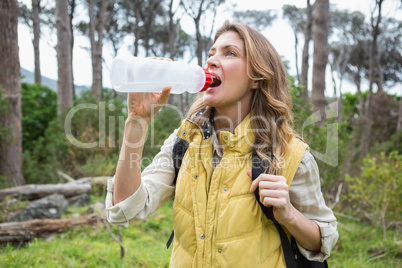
<point>307,163</point>
<point>307,172</point>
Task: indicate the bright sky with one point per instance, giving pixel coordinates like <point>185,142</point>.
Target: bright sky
<point>280,34</point>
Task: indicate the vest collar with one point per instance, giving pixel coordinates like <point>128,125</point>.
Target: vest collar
<point>242,139</point>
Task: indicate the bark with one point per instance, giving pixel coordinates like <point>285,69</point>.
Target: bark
<point>174,29</point>
<point>26,231</point>
<point>35,191</point>
<point>71,14</point>
<point>199,40</point>
<point>399,125</point>
<point>36,37</point>
<point>11,144</point>
<point>63,48</point>
<point>367,119</point>
<point>320,37</point>
<point>306,47</point>
<point>296,57</point>
<point>96,29</point>
<point>357,81</point>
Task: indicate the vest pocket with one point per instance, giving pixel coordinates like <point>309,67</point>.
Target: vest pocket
<point>242,252</point>
<point>241,217</point>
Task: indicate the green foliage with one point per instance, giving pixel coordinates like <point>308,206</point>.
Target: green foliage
<point>99,165</point>
<point>165,122</point>
<point>44,159</point>
<point>327,140</point>
<point>59,144</point>
<point>144,241</point>
<point>84,141</point>
<point>39,107</point>
<point>378,189</point>
<point>362,245</point>
<point>94,133</point>
<point>4,109</point>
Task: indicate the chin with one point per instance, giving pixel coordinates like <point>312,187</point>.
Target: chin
<point>210,100</point>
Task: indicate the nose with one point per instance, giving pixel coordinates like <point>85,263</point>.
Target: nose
<point>212,61</point>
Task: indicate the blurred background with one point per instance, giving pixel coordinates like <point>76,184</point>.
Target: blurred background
<point>61,123</point>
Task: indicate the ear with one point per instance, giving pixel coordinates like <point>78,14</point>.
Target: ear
<point>254,85</point>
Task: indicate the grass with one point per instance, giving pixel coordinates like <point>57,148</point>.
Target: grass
<point>360,245</point>
<point>145,244</point>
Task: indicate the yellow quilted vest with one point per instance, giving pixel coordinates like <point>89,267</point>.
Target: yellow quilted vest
<point>217,220</point>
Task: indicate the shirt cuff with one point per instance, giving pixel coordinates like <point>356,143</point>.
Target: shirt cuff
<point>329,237</point>
<point>121,213</point>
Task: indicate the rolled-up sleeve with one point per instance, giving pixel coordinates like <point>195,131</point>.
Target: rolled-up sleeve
<point>155,189</point>
<point>306,196</point>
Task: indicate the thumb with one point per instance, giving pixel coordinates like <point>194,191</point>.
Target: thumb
<point>249,173</point>
<point>165,94</point>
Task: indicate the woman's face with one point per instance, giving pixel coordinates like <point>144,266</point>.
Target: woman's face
<point>231,86</point>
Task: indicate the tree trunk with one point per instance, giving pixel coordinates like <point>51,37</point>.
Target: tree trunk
<point>174,28</point>
<point>380,75</point>
<point>35,191</point>
<point>399,125</point>
<point>367,119</point>
<point>65,78</point>
<point>10,145</point>
<point>305,55</point>
<point>96,28</point>
<point>297,57</point>
<point>71,14</point>
<point>26,231</point>
<point>36,37</point>
<point>199,41</point>
<point>320,37</point>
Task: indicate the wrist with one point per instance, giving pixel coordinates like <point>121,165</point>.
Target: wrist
<point>138,120</point>
<point>136,128</point>
<point>291,219</point>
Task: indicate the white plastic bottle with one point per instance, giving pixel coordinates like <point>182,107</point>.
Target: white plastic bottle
<point>134,74</point>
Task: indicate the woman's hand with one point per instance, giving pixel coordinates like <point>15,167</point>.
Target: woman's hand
<point>147,105</point>
<point>274,191</point>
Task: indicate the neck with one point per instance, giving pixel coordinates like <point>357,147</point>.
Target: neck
<point>228,120</point>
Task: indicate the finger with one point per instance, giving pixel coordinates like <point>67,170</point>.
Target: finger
<point>278,185</point>
<point>266,177</point>
<point>275,202</point>
<point>254,185</point>
<point>165,94</point>
<point>273,193</point>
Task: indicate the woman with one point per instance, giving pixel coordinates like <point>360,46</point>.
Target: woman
<point>217,220</point>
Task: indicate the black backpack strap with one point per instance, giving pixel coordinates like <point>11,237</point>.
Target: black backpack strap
<point>169,242</point>
<point>293,257</point>
<point>179,150</point>
<point>257,169</point>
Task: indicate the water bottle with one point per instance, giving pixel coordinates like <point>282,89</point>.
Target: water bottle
<point>134,74</point>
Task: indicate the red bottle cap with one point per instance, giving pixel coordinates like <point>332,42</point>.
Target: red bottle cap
<point>208,79</point>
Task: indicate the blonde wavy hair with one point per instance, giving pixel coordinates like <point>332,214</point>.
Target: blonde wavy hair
<point>271,103</point>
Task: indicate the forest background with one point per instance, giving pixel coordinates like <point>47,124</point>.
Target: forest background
<point>355,135</point>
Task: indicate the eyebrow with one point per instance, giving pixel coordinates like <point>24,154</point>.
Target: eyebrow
<point>213,49</point>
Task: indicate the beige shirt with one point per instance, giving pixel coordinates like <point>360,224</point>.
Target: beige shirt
<point>156,189</point>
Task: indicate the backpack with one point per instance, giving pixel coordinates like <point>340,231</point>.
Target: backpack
<point>293,257</point>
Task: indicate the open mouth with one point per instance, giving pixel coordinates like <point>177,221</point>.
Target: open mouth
<point>216,82</point>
